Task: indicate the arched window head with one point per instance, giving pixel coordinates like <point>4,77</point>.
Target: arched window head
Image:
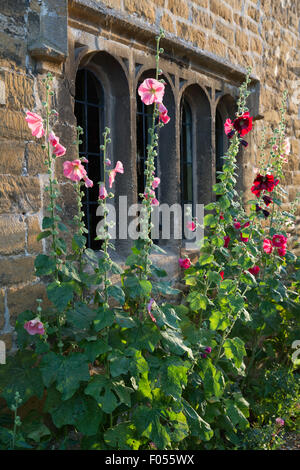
<point>89,112</point>
<point>186,154</point>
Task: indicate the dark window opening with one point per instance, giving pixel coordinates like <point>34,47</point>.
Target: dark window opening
<point>219,143</point>
<point>186,154</point>
<point>89,112</point>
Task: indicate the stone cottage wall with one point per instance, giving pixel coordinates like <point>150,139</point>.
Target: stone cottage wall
<point>263,34</point>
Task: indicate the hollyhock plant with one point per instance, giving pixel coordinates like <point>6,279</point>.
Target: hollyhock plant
<point>226,241</point>
<point>74,170</point>
<point>112,174</point>
<point>35,124</point>
<point>149,307</point>
<point>155,183</point>
<point>267,246</point>
<point>191,226</point>
<point>255,270</point>
<point>281,250</point>
<point>244,239</point>
<point>53,139</point>
<point>243,124</point>
<point>237,225</point>
<point>228,127</point>
<point>267,200</point>
<point>208,349</point>
<point>279,240</point>
<point>263,183</point>
<point>102,191</point>
<point>88,183</point>
<point>151,91</point>
<point>222,274</point>
<point>163,113</point>
<point>34,327</point>
<point>184,263</point>
<point>279,421</point>
<point>59,150</point>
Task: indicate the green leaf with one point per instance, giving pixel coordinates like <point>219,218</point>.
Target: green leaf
<point>78,242</point>
<point>210,220</point>
<point>147,422</point>
<point>145,337</point>
<point>122,437</point>
<point>117,293</point>
<point>44,265</point>
<point>173,342</point>
<point>118,363</point>
<point>173,377</point>
<point>42,235</point>
<point>101,389</point>
<point>104,318</point>
<point>235,415</point>
<point>66,371</point>
<point>234,349</point>
<point>123,392</point>
<point>197,301</point>
<point>218,321</point>
<point>21,374</point>
<point>47,222</point>
<point>124,320</point>
<point>198,427</point>
<point>213,380</point>
<point>205,258</point>
<point>136,287</point>
<point>81,316</point>
<point>93,349</point>
<point>60,295</point>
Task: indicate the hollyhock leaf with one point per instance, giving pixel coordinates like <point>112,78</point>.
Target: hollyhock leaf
<point>173,377</point>
<point>218,321</point>
<point>145,337</point>
<point>78,242</point>
<point>115,268</point>
<point>44,234</point>
<point>213,380</point>
<point>88,422</point>
<point>123,392</point>
<point>81,316</point>
<point>205,258</point>
<point>211,206</point>
<point>227,285</point>
<point>159,272</point>
<point>44,265</point>
<point>60,295</point>
<point>197,426</point>
<point>47,222</point>
<point>224,203</point>
<point>66,371</point>
<point>197,301</point>
<point>118,363</point>
<point>169,316</point>
<point>147,422</point>
<point>69,270</point>
<point>101,389</point>
<point>234,349</point>
<point>21,374</point>
<point>165,289</point>
<point>122,436</point>
<point>124,320</point>
<point>210,220</point>
<point>104,318</point>
<point>117,293</point>
<point>236,415</point>
<point>93,349</point>
<point>174,343</point>
<point>236,302</point>
<point>92,255</point>
<point>214,277</point>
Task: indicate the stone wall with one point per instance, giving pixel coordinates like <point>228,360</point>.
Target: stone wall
<point>225,36</point>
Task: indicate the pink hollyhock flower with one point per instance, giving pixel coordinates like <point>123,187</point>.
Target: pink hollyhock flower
<point>282,250</point>
<point>88,183</point>
<point>222,274</point>
<point>59,150</point>
<point>35,124</point>
<point>151,91</point>
<point>228,126</point>
<point>226,241</point>
<point>267,246</point>
<point>279,421</point>
<point>279,240</point>
<point>112,174</point>
<point>191,226</point>
<point>208,349</point>
<point>275,148</point>
<point>34,327</point>
<point>155,202</point>
<point>237,225</point>
<point>74,170</point>
<point>246,224</point>
<point>53,139</point>
<point>286,146</point>
<point>149,306</point>
<point>244,239</point>
<point>107,162</point>
<point>155,183</point>
<point>184,263</point>
<point>163,113</point>
<point>255,270</point>
<point>102,191</point>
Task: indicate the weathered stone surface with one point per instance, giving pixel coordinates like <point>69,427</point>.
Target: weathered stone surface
<point>19,194</point>
<point>12,234</point>
<point>33,246</point>
<point>219,8</point>
<point>167,23</point>
<point>16,270</point>
<point>24,298</point>
<point>13,125</point>
<point>179,8</point>
<point>8,340</point>
<point>2,92</point>
<point>202,19</point>
<point>112,3</point>
<point>190,34</point>
<point>11,157</point>
<point>19,91</point>
<point>2,319</point>
<point>12,51</point>
<point>225,31</point>
<point>141,8</point>
<point>35,159</point>
<point>217,47</point>
<point>242,40</point>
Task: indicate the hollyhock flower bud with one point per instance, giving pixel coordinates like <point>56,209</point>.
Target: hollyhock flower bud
<point>84,160</point>
<point>226,241</point>
<point>59,150</point>
<point>155,183</point>
<point>102,191</point>
<point>53,139</point>
<point>204,356</point>
<point>88,183</point>
<point>222,274</point>
<point>151,91</point>
<point>255,270</point>
<point>267,200</point>
<point>244,143</point>
<point>237,225</point>
<point>275,148</point>
<point>267,246</point>
<point>279,421</point>
<point>191,226</point>
<point>244,239</point>
<point>149,306</point>
<point>221,216</point>
<point>107,162</point>
<point>34,327</point>
<point>163,113</point>
<point>184,263</point>
<point>246,224</point>
<point>279,240</point>
<point>208,349</point>
<point>35,124</point>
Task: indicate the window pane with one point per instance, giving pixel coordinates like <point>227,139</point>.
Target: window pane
<point>186,154</point>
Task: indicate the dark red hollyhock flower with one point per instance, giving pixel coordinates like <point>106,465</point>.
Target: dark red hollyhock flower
<point>243,124</point>
<point>255,270</point>
<point>267,200</point>
<point>263,183</point>
<point>222,274</point>
<point>258,209</point>
<point>244,143</point>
